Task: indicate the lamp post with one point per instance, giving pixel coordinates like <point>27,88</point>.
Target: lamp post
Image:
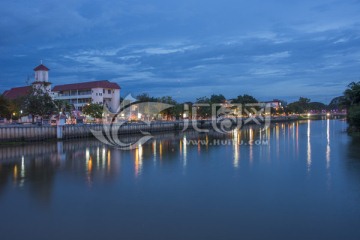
<point>21,112</point>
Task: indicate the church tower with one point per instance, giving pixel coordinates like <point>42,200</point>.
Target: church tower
<point>42,78</point>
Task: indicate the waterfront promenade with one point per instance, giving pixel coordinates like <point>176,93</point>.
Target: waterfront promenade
<point>27,133</point>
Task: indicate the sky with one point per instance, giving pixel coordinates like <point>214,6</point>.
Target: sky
<point>186,49</point>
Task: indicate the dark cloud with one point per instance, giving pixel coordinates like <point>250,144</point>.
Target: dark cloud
<point>272,49</point>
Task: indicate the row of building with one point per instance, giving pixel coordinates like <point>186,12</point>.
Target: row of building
<point>101,92</point>
<point>78,94</point>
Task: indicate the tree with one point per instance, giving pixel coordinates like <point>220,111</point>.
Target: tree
<point>352,94</point>
<point>354,116</point>
<point>245,99</point>
<point>172,111</point>
<point>144,97</point>
<point>38,104</point>
<point>294,108</point>
<point>337,103</point>
<point>93,110</point>
<point>217,98</point>
<point>203,111</point>
<point>63,106</point>
<point>300,106</point>
<point>317,106</point>
<point>4,107</point>
<point>304,103</point>
<point>352,103</point>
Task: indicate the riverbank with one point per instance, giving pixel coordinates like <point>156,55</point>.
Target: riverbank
<point>11,134</point>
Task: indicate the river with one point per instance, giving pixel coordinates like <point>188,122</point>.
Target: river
<point>297,180</point>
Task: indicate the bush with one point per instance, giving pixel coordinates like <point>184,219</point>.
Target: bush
<point>354,116</point>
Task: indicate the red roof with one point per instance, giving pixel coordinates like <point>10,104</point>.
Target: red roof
<point>17,92</point>
<point>41,67</point>
<point>86,86</point>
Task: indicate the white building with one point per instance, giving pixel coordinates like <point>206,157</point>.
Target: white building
<point>42,78</point>
<point>41,82</point>
<point>77,94</point>
<point>80,94</point>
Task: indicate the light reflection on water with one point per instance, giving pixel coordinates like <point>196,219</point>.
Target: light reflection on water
<point>249,177</point>
<point>236,146</point>
<point>98,157</point>
<point>308,160</point>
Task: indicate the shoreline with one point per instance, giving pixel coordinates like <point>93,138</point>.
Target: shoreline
<point>15,135</point>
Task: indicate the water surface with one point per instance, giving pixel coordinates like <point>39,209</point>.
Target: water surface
<point>296,180</point>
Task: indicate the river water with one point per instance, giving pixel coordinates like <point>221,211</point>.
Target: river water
<point>298,180</point>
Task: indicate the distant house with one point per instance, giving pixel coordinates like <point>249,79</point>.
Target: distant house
<point>79,94</point>
<point>276,103</point>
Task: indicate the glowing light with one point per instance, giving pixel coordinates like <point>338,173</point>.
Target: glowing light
<point>251,140</point>
<point>328,144</point>
<point>185,150</point>
<point>98,156</point>
<point>138,160</point>
<point>308,161</point>
<point>108,159</point>
<point>15,172</point>
<point>236,148</point>
<point>22,169</point>
<point>308,114</point>
<point>160,150</point>
<point>87,153</point>
<point>89,165</point>
<point>154,150</point>
<point>103,157</point>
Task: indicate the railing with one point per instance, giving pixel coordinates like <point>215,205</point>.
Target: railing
<point>62,96</point>
<point>9,133</point>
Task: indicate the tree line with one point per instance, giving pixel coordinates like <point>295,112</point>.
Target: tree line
<point>37,104</point>
<point>40,104</point>
<point>351,100</point>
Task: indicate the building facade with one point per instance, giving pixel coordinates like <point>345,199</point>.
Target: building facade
<point>41,82</point>
<point>101,92</point>
<point>42,79</point>
<point>80,94</point>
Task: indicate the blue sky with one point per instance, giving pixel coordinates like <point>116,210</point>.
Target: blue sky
<point>186,49</point>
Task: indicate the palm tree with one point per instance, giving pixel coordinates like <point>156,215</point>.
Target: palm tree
<point>352,102</point>
<point>352,94</point>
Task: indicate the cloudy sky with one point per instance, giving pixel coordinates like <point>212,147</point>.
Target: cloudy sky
<point>187,49</point>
